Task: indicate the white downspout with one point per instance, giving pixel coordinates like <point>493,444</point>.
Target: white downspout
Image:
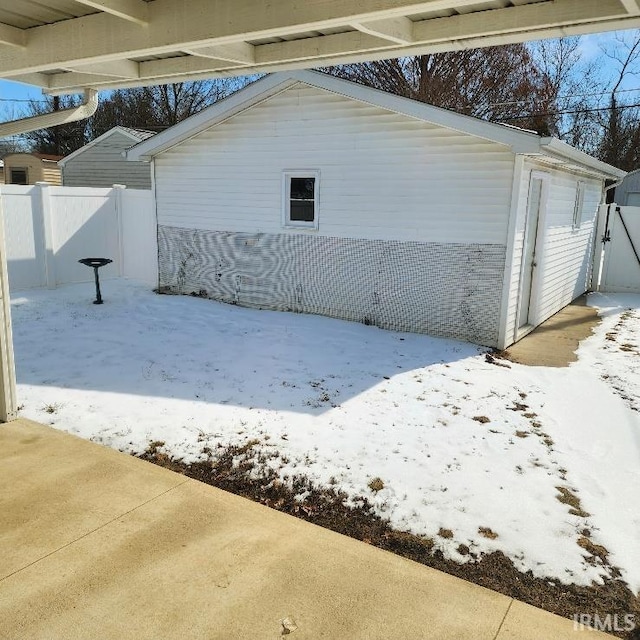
<point>53,119</point>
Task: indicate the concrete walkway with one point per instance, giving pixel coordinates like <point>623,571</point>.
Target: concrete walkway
<point>97,544</point>
<point>554,342</point>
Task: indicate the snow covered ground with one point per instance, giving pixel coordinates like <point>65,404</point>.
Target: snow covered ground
<point>458,442</point>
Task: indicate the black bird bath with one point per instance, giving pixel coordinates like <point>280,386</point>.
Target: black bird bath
<point>96,263</point>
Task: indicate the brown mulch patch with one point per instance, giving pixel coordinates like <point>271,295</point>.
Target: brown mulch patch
<point>230,469</point>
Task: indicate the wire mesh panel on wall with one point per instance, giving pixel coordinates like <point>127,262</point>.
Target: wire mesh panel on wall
<point>449,290</point>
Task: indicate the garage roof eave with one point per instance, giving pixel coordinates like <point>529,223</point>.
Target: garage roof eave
<point>563,151</point>
<point>226,108</point>
<point>519,140</point>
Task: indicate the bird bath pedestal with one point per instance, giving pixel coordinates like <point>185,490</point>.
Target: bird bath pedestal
<point>96,263</point>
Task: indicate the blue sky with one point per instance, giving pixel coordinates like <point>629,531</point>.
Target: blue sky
<point>17,91</point>
<point>592,50</point>
<point>11,93</point>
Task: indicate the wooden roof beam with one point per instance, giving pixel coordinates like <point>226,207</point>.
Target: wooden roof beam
<point>398,30</point>
<point>135,11</point>
<point>632,7</point>
<point>12,36</point>
<point>114,69</point>
<point>238,52</point>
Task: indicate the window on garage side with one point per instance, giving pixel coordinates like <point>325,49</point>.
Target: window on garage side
<point>578,205</point>
<point>300,199</point>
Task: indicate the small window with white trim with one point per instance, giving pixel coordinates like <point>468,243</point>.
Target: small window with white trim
<point>300,199</point>
<point>578,205</point>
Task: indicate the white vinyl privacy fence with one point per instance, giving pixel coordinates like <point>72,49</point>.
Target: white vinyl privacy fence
<point>48,229</point>
<point>618,263</point>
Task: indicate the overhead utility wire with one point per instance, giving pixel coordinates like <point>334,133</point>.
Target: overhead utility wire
<point>568,112</point>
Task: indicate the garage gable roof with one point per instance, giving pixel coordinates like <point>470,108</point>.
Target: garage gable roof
<point>519,140</point>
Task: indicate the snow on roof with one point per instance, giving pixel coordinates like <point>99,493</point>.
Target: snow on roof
<point>141,134</point>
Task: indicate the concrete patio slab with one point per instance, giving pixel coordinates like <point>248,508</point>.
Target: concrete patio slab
<point>524,622</point>
<point>61,489</point>
<point>554,342</point>
<point>104,545</point>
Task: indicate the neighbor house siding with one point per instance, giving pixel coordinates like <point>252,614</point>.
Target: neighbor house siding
<point>51,173</point>
<point>26,161</point>
<point>103,165</point>
<point>565,256</point>
<point>628,193</point>
<point>382,175</point>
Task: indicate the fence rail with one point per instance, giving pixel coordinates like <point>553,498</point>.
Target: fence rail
<point>48,229</point>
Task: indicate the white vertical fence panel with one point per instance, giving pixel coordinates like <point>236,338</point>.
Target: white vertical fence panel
<point>139,236</point>
<point>85,225</point>
<point>48,229</point>
<point>24,237</point>
<point>621,267</point>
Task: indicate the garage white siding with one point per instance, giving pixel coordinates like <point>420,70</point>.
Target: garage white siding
<point>565,257</point>
<point>382,175</point>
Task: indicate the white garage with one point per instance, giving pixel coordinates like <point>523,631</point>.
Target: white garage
<point>308,193</point>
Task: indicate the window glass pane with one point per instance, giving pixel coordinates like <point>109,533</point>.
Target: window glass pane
<point>301,211</point>
<point>18,176</point>
<point>578,206</point>
<point>302,188</point>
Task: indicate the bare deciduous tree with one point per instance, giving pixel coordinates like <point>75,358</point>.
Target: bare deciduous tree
<point>495,83</point>
<point>158,107</point>
<point>620,144</point>
<point>154,108</point>
<point>573,84</point>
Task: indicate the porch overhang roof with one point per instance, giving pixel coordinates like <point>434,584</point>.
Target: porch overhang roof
<point>65,46</point>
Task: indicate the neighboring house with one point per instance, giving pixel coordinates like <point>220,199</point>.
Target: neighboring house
<point>29,168</point>
<point>101,163</point>
<point>309,193</point>
<point>627,193</point>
